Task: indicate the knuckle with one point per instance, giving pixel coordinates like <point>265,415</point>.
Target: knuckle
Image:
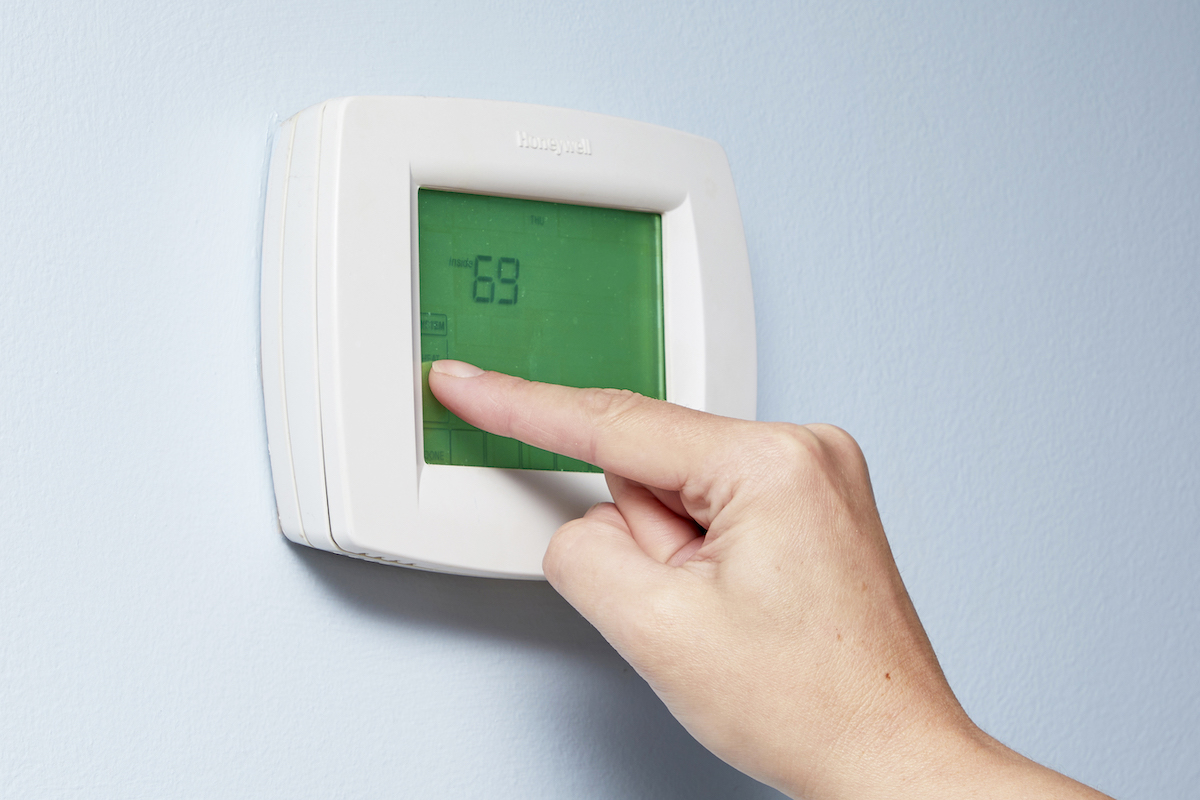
<point>610,409</point>
<point>610,404</point>
<point>567,551</point>
<point>809,453</point>
<point>839,442</point>
<point>782,444</point>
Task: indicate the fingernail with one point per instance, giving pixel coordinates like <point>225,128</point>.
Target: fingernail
<point>456,369</point>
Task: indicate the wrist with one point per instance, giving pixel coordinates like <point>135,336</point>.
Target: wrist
<point>938,755</point>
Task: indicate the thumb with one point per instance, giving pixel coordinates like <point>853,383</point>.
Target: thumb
<point>597,566</point>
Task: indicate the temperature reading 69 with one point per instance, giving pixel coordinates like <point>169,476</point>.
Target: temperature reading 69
<point>496,280</point>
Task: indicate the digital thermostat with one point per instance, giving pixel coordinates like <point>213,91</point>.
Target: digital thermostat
<point>557,245</point>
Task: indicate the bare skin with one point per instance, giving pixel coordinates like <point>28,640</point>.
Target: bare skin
<point>743,571</point>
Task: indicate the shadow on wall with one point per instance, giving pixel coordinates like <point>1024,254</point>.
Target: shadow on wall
<point>525,611</point>
<point>612,715</point>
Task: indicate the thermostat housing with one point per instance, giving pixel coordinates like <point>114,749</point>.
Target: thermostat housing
<point>575,247</point>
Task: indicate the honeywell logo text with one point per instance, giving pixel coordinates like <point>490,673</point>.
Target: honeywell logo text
<point>577,147</point>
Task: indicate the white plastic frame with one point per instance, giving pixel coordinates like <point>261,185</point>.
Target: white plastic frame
<point>340,321</point>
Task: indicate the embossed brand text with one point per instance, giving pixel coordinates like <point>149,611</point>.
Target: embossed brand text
<point>578,147</point>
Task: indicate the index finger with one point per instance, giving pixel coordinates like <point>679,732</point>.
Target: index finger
<point>650,441</point>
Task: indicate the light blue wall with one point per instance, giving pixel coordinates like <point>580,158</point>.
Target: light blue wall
<point>976,245</point>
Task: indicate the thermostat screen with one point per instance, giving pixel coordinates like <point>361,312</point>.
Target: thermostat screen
<point>548,291</point>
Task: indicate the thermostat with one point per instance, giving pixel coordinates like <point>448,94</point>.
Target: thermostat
<point>557,245</point>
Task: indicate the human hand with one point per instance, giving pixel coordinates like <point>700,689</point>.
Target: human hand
<point>783,639</point>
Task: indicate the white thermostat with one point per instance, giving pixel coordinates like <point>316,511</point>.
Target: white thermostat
<point>557,245</point>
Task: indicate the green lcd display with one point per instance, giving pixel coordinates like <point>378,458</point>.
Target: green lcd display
<point>549,291</point>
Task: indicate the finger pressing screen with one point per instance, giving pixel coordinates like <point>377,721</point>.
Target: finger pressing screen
<point>650,441</point>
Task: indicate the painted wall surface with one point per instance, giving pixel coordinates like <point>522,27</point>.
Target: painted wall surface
<point>975,234</point>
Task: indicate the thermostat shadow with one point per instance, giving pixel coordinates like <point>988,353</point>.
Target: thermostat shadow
<point>496,608</point>
<point>528,611</point>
